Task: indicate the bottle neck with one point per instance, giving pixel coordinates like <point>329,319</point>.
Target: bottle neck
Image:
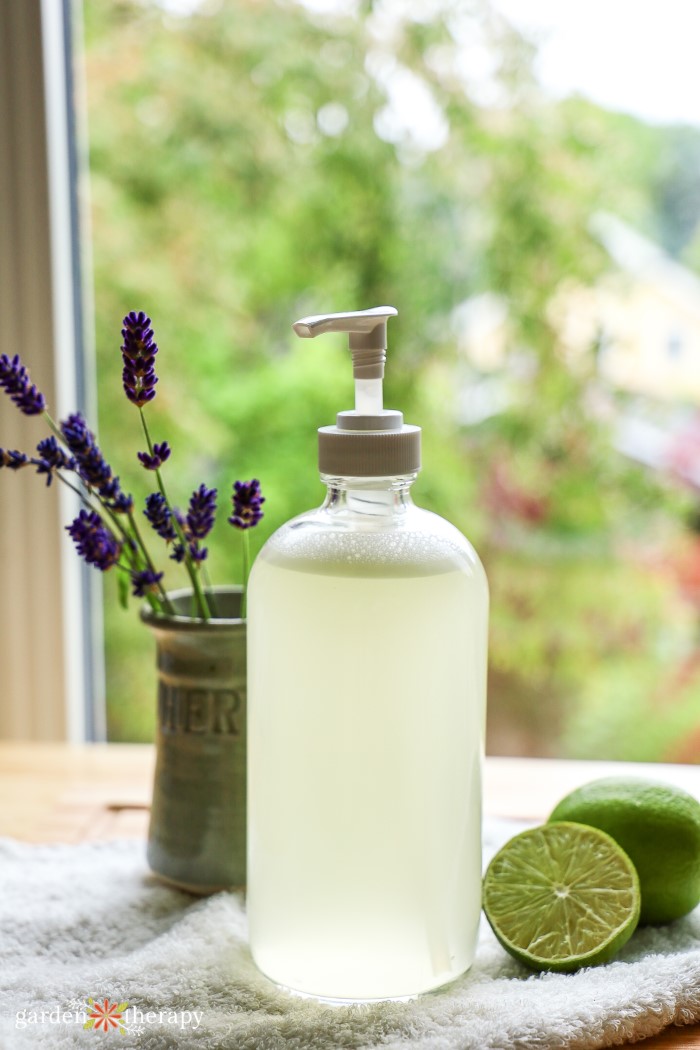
<point>375,499</point>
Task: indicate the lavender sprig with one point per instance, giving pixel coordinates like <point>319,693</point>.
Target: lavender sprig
<point>201,513</point>
<point>160,518</point>
<point>247,502</point>
<point>97,544</point>
<point>158,515</point>
<point>139,355</point>
<point>94,541</point>
<point>161,452</point>
<point>145,583</point>
<point>13,459</point>
<point>172,526</point>
<point>195,526</point>
<point>92,466</point>
<point>52,458</point>
<point>94,470</point>
<point>15,381</point>
<point>247,499</point>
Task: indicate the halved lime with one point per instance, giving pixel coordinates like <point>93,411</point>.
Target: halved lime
<point>562,896</point>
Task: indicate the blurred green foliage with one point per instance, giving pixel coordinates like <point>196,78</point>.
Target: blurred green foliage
<point>249,166</point>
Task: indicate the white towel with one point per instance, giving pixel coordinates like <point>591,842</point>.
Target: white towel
<point>90,921</point>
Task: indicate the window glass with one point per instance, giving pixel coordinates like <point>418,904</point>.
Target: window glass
<point>255,162</point>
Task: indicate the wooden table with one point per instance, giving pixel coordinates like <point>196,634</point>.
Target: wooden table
<point>74,793</point>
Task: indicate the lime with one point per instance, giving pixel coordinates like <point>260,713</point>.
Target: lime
<point>658,826</point>
<point>561,896</point>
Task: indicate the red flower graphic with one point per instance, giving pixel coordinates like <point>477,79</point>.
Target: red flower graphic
<point>106,1015</point>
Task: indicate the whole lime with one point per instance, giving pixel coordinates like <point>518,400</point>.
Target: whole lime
<point>658,827</point>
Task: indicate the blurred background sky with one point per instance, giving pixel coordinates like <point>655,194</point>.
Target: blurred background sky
<point>634,57</point>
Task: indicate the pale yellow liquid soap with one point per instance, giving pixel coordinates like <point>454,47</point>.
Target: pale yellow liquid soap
<point>366,711</point>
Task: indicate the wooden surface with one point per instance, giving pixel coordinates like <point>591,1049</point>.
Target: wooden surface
<point>74,793</point>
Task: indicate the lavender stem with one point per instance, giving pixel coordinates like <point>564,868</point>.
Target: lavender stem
<point>246,573</point>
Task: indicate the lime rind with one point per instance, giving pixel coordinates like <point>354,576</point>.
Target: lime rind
<point>562,899</point>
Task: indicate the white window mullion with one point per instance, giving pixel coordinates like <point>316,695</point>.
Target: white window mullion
<point>49,683</point>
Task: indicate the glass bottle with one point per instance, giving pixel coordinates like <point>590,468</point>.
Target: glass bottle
<point>367,636</point>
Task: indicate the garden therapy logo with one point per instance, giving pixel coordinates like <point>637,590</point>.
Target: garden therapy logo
<point>106,1016</point>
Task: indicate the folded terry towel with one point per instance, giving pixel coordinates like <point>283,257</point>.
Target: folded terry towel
<point>90,922</point>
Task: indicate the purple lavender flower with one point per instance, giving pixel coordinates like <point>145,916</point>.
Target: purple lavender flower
<point>77,435</point>
<point>13,459</point>
<point>51,453</point>
<point>200,514</point>
<point>196,524</point>
<point>145,581</point>
<point>161,452</point>
<point>118,501</point>
<point>247,500</point>
<point>92,466</point>
<point>159,517</point>
<point>139,354</point>
<point>15,381</point>
<point>94,542</point>
<point>51,458</point>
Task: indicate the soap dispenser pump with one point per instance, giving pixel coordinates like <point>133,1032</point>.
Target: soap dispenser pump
<point>368,440</point>
<point>367,637</point>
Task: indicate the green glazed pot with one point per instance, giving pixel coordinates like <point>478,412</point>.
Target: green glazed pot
<point>197,833</point>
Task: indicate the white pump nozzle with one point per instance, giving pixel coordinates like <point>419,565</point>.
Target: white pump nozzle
<point>366,328</point>
<point>368,342</point>
<point>369,441</point>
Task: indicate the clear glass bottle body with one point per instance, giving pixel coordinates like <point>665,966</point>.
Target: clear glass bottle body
<point>367,636</point>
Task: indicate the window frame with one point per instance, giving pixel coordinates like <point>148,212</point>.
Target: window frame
<point>51,641</point>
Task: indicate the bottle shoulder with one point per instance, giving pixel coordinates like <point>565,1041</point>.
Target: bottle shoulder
<point>416,542</point>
